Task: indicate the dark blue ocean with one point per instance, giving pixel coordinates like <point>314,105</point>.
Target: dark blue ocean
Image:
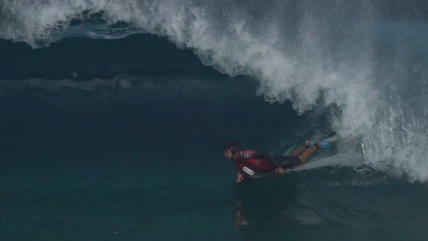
<point>113,115</point>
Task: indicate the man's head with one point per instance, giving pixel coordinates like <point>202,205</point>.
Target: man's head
<point>230,149</point>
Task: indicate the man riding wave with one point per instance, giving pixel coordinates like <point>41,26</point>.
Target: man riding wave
<point>248,160</point>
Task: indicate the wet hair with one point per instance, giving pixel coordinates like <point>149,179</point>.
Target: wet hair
<point>232,146</point>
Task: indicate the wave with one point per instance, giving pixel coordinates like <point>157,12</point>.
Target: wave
<point>146,86</point>
<point>362,57</point>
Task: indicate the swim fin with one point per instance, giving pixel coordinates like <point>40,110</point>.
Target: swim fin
<point>324,144</point>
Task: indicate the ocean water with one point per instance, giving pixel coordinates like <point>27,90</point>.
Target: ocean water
<point>113,115</point>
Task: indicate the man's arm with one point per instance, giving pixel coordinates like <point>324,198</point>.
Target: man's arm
<point>239,177</point>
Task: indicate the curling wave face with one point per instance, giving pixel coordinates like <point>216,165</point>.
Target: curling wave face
<point>358,57</point>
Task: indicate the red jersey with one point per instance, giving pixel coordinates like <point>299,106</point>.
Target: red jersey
<point>248,158</point>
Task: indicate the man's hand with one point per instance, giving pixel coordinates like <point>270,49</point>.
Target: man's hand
<point>239,177</point>
<point>280,170</point>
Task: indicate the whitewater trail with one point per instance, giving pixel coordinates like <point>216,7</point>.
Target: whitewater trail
<point>339,160</point>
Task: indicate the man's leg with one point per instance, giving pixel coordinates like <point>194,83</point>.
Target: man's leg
<point>298,150</point>
<point>302,148</point>
<point>308,152</point>
<point>285,162</point>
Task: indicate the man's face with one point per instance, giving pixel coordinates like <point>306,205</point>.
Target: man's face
<point>228,154</point>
